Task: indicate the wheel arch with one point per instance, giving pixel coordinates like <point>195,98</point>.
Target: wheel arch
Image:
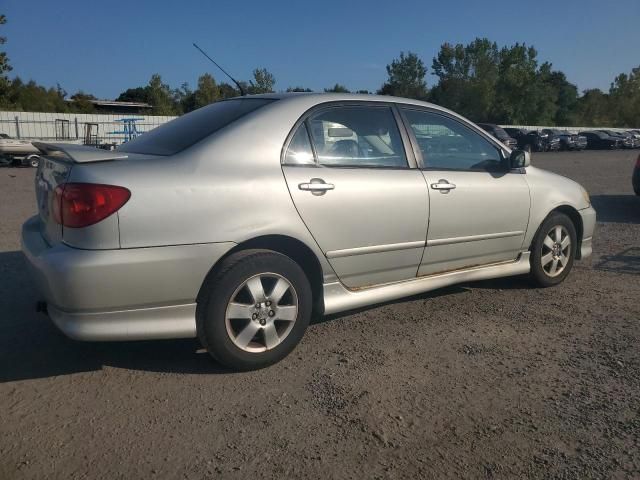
<point>293,248</point>
<point>575,218</point>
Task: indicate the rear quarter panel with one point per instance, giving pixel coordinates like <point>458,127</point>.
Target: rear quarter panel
<point>227,188</point>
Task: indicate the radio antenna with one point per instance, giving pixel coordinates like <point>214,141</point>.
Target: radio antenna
<point>242,92</point>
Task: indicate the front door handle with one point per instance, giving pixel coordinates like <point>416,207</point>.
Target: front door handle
<point>443,185</point>
<point>316,186</point>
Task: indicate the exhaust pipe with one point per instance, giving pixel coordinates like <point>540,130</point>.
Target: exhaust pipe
<point>41,307</point>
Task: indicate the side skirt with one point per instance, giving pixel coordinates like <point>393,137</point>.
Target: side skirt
<point>337,298</point>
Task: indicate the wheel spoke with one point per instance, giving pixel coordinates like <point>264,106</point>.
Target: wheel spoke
<point>279,289</point>
<point>554,267</point>
<point>546,259</point>
<point>239,310</point>
<point>257,290</point>
<point>566,242</point>
<point>247,334</point>
<point>271,338</point>
<point>548,241</point>
<point>558,233</point>
<point>563,259</point>
<point>287,312</point>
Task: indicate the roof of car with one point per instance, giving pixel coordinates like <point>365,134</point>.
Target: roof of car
<point>342,97</point>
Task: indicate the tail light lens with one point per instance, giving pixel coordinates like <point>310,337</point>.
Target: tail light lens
<point>79,205</point>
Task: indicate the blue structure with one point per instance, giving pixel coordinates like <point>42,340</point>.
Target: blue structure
<point>129,129</point>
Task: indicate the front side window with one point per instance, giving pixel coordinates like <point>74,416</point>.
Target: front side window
<point>357,136</point>
<point>446,144</point>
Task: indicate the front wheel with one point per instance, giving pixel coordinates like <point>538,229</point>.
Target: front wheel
<point>254,310</point>
<point>553,250</point>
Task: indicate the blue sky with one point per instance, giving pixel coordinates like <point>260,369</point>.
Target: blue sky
<point>105,47</point>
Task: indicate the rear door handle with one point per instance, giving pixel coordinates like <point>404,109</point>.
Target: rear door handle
<point>443,185</point>
<point>316,186</point>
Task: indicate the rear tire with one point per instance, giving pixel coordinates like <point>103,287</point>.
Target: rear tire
<point>254,310</point>
<point>553,250</point>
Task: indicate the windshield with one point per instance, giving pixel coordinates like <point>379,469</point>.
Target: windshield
<point>187,130</point>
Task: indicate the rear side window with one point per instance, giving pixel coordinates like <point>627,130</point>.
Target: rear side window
<point>189,129</point>
<point>299,151</point>
<point>357,136</point>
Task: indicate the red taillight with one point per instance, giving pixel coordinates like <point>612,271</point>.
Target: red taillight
<point>82,204</point>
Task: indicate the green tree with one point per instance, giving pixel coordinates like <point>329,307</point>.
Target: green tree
<point>337,88</point>
<point>593,109</point>
<point>160,96</point>
<point>263,81</point>
<point>468,75</point>
<point>81,102</point>
<point>624,96</point>
<point>566,98</point>
<point>406,77</point>
<point>4,68</point>
<point>298,89</point>
<point>207,91</point>
<point>137,94</point>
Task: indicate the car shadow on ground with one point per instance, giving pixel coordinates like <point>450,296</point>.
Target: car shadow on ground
<point>32,347</point>
<point>627,261</point>
<point>617,208</point>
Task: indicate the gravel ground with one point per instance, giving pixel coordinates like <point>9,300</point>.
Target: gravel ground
<point>492,379</point>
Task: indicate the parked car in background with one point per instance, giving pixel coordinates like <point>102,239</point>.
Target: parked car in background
<point>499,133</point>
<point>533,140</point>
<point>628,140</point>
<point>635,178</point>
<point>568,140</point>
<point>597,140</point>
<point>238,221</point>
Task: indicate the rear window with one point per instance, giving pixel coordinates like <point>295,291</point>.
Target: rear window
<point>189,129</point>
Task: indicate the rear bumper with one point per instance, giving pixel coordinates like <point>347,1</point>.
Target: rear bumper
<point>588,226</point>
<point>124,294</point>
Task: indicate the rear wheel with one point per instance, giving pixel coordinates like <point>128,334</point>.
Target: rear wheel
<point>553,250</point>
<point>255,309</point>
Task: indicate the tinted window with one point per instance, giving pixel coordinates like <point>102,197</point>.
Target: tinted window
<point>181,133</point>
<point>449,145</point>
<point>299,151</point>
<point>357,137</point>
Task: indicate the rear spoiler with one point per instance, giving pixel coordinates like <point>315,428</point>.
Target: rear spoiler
<point>79,153</point>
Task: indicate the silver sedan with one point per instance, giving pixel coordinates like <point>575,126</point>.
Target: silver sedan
<point>240,221</point>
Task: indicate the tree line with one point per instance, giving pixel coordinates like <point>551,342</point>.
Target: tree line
<point>480,80</point>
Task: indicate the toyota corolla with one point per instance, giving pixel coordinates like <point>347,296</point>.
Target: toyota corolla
<point>238,222</point>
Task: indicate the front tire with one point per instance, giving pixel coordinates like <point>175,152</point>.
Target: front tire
<point>553,250</point>
<point>254,310</point>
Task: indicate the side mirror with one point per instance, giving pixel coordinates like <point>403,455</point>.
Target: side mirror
<point>519,159</point>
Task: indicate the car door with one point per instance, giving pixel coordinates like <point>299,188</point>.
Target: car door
<point>359,192</point>
<point>479,209</point>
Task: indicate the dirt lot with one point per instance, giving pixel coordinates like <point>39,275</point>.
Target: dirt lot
<point>483,380</point>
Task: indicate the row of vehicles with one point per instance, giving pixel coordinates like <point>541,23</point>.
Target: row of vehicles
<point>553,139</point>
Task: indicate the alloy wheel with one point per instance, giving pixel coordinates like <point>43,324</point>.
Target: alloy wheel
<point>556,251</point>
<point>261,312</point>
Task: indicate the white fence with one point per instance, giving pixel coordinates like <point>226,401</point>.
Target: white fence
<point>74,127</point>
<point>101,128</point>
